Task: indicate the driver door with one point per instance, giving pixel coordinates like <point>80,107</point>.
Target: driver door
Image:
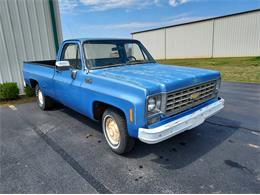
<point>67,87</point>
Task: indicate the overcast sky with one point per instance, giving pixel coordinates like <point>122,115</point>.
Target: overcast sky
<point>118,18</point>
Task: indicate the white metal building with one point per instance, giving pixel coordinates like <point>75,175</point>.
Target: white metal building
<point>226,36</point>
<point>29,30</point>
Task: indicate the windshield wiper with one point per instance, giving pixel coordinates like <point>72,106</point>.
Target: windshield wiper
<point>123,64</point>
<point>137,62</point>
<point>107,66</point>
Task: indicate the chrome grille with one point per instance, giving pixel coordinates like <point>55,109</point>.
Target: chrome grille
<point>184,99</point>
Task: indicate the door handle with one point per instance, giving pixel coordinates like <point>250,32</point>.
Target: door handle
<point>88,80</point>
<point>73,74</point>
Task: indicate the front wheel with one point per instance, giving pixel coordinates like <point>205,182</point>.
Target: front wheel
<point>43,102</point>
<point>115,131</point>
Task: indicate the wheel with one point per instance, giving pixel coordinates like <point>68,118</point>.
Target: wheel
<point>43,102</point>
<point>115,131</point>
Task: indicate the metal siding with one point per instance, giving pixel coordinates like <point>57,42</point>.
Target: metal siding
<point>231,36</point>
<point>237,35</point>
<point>189,41</point>
<point>154,41</point>
<point>25,34</point>
<point>4,58</point>
<point>9,43</point>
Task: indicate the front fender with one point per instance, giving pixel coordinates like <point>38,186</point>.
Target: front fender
<point>118,96</point>
<point>124,106</point>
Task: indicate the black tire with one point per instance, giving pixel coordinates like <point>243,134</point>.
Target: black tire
<point>45,103</point>
<point>126,143</point>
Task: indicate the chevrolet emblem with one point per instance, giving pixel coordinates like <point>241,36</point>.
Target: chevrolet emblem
<point>194,96</point>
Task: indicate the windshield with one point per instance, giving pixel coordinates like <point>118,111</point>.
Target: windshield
<point>100,54</point>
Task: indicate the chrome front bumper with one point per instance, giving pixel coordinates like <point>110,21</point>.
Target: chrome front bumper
<point>163,132</point>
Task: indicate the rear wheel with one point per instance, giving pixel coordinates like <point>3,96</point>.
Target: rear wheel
<point>115,131</point>
<point>43,102</point>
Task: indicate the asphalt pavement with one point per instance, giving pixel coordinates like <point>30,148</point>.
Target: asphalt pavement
<point>61,151</point>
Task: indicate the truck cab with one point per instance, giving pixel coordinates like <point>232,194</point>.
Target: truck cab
<point>117,82</point>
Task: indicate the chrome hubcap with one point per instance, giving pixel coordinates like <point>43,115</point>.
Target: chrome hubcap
<point>40,97</point>
<point>112,130</point>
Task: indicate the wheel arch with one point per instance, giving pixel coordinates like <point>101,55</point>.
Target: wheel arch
<point>99,107</point>
<point>33,83</point>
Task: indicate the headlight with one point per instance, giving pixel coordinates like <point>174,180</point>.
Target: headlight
<point>154,104</point>
<point>151,104</point>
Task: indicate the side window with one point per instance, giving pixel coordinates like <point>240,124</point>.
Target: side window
<point>71,53</point>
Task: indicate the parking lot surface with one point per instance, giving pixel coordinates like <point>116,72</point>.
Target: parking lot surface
<point>61,151</point>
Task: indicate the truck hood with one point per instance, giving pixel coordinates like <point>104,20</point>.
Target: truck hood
<point>157,77</point>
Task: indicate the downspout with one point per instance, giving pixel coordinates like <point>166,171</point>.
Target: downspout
<point>54,27</point>
<point>165,44</point>
<point>213,36</point>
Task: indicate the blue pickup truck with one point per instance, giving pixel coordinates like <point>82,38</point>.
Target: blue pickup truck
<point>117,82</point>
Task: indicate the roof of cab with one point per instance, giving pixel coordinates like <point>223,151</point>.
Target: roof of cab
<point>100,39</point>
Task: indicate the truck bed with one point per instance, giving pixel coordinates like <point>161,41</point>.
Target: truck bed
<point>49,63</point>
<point>42,72</point>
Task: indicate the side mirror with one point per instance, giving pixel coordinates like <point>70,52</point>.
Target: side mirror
<point>62,65</point>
